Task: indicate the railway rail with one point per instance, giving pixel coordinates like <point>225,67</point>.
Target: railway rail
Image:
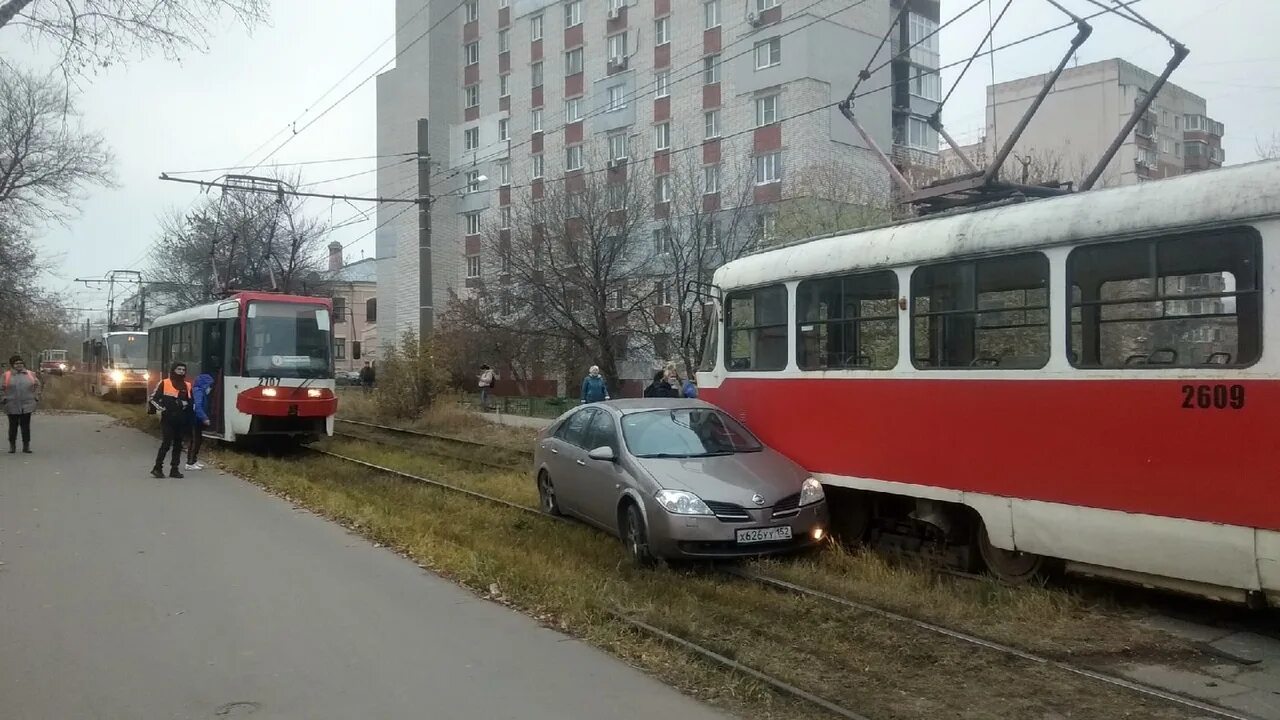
<point>1144,689</point>
<point>435,436</point>
<point>456,458</point>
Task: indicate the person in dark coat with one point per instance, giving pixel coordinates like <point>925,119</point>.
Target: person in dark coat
<point>172,398</point>
<point>660,388</point>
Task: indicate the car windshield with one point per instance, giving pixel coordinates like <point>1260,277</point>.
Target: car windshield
<point>287,340</point>
<point>127,352</point>
<point>685,432</point>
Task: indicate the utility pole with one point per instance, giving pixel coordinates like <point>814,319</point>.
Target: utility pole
<point>426,309</point>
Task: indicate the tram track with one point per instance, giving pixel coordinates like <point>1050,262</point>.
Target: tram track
<point>1103,678</point>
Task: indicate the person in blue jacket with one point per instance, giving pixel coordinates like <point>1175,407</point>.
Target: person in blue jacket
<point>594,388</point>
<point>200,418</point>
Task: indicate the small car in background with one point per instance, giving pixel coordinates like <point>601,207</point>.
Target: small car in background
<point>676,478</point>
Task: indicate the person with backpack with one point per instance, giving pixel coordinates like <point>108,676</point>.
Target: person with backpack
<point>172,399</point>
<point>200,420</point>
<point>594,388</point>
<point>19,395</point>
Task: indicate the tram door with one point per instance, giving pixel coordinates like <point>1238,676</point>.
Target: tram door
<point>214,361</point>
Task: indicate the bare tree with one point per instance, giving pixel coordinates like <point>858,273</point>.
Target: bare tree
<point>47,160</point>
<point>31,318</point>
<point>240,241</point>
<point>1268,149</point>
<point>99,33</point>
<point>828,198</point>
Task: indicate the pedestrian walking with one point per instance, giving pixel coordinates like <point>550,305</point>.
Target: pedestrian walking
<point>594,387</point>
<point>19,394</point>
<point>172,398</point>
<point>200,418</point>
<point>366,377</point>
<point>487,378</point>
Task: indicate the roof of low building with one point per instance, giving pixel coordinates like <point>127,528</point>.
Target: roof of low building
<point>365,270</point>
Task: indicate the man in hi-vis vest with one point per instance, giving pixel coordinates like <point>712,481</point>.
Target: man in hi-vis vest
<point>173,399</point>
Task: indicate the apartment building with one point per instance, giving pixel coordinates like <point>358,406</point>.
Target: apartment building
<point>509,96</point>
<point>1086,110</point>
<point>917,86</point>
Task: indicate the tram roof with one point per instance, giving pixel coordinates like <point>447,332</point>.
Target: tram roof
<point>1202,199</point>
<point>209,311</point>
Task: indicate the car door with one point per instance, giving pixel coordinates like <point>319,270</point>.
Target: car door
<point>602,480</point>
<point>564,450</point>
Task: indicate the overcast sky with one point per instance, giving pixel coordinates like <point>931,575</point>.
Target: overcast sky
<point>213,110</point>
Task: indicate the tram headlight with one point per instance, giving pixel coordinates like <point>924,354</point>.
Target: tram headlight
<point>268,392</point>
<point>146,375</point>
<point>116,376</point>
<point>62,366</point>
<point>314,393</point>
<point>811,492</point>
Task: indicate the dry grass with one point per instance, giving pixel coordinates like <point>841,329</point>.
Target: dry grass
<point>446,417</point>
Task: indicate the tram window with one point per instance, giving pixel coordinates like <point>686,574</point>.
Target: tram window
<point>848,322</point>
<point>1182,301</point>
<point>756,322</point>
<point>990,313</point>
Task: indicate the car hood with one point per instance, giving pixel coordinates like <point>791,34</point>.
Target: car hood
<point>730,478</point>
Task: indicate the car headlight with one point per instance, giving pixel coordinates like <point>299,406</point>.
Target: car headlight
<point>811,492</point>
<point>680,502</point>
<point>117,377</point>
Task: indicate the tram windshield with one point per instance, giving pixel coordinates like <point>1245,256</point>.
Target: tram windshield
<point>287,340</point>
<point>127,351</point>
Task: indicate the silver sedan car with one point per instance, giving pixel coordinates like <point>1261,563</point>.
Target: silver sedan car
<point>676,478</point>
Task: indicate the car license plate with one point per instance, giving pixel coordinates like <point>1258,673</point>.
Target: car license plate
<point>757,535</point>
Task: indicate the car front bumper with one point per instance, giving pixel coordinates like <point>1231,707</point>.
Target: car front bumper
<point>686,536</point>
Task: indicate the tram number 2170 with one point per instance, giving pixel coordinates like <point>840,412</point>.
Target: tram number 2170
<point>1205,397</point>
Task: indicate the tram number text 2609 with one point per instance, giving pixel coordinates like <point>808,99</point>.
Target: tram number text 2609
<point>1204,397</point>
<point>265,380</point>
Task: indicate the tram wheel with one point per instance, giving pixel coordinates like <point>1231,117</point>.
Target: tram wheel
<point>850,512</point>
<point>1010,566</point>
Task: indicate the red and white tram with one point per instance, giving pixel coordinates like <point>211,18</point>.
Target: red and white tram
<point>1088,380</point>
<point>270,356</point>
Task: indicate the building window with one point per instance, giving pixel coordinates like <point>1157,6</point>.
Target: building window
<point>471,138</point>
<point>923,52</point>
<point>766,228</point>
<point>762,5</point>
<point>1166,146</point>
<point>573,61</point>
<point>573,158</point>
<point>662,31</point>
<point>535,120</point>
<point>711,124</point>
<point>768,53</point>
<point>662,136</point>
<point>504,85</point>
<point>471,52</point>
<point>920,135</point>
<point>617,97</point>
<point>473,10</point>
<point>616,6</point>
<point>1147,156</point>
<point>573,110</point>
<point>711,232</point>
<point>663,183</point>
<point>504,40</point>
<point>1180,300</point>
<point>572,13</point>
<point>535,27</point>
<point>339,349</point>
<point>756,329</point>
<point>711,179</point>
<point>537,166</point>
<point>339,310</point>
<point>505,216</point>
<point>848,322</point>
<point>535,74</point>
<point>473,266</point>
<point>504,3</point>
<point>616,196</point>
<point>504,131</point>
<point>926,84</point>
<point>661,240</point>
<point>472,95</point>
<point>769,168</point>
<point>766,110</point>
<point>990,313</point>
<point>1177,122</point>
<point>473,223</point>
<point>711,14</point>
<point>371,310</point>
<point>711,69</point>
<point>618,146</point>
<point>617,47</point>
<point>504,172</point>
<point>473,181</point>
<point>662,83</point>
<point>662,293</point>
<point>1177,149</point>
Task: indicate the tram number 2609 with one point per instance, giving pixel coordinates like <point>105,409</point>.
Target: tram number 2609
<point>1204,397</point>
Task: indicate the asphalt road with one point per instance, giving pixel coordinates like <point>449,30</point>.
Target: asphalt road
<point>126,597</point>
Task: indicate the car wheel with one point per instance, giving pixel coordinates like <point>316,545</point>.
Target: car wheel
<point>547,494</point>
<point>635,536</point>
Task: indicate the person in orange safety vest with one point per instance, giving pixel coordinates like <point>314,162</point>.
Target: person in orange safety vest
<point>172,398</point>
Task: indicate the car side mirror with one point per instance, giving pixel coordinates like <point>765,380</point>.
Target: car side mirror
<point>603,453</point>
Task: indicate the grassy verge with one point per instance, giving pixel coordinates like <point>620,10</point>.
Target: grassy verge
<point>446,417</point>
<point>570,577</point>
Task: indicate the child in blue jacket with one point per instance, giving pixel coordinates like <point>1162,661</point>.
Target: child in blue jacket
<point>200,421</point>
